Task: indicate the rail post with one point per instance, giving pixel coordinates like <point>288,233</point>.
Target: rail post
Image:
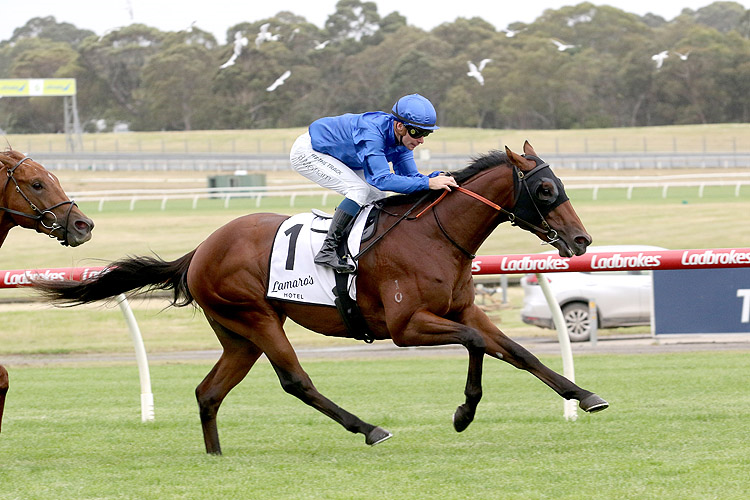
<point>570,411</point>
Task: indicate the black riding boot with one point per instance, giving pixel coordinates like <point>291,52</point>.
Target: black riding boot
<point>327,255</point>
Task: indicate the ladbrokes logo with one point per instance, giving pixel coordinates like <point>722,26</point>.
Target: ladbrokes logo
<point>710,258</point>
<point>25,278</point>
<point>618,261</point>
<point>90,273</point>
<point>527,264</point>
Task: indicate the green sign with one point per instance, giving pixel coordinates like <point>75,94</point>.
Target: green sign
<point>19,87</point>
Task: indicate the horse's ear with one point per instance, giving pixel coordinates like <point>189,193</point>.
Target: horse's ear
<point>513,157</point>
<point>527,149</point>
<point>518,160</point>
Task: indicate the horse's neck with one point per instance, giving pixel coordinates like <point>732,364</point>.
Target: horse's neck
<point>6,221</point>
<point>470,221</point>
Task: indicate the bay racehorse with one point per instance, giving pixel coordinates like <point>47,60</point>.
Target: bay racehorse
<point>414,286</point>
<point>31,197</point>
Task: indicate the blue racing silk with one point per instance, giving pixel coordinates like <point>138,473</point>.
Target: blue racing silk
<point>367,142</point>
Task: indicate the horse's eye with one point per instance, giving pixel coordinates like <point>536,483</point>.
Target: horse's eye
<point>546,192</point>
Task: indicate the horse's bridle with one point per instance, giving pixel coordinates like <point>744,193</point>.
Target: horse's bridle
<point>520,177</point>
<point>523,178</point>
<point>39,213</point>
<point>520,186</point>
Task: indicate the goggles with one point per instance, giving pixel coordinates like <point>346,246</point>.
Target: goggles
<point>415,132</point>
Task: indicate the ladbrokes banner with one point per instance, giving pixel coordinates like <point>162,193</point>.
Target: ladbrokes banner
<point>610,261</point>
<point>25,277</point>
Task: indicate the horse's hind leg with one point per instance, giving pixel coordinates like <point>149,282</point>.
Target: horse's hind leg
<point>265,330</point>
<point>3,391</point>
<point>238,357</point>
<point>295,381</point>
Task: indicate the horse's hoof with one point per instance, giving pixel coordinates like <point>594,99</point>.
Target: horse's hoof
<point>377,435</point>
<point>593,404</point>
<point>462,418</point>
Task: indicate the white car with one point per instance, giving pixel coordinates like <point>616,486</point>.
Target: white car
<point>623,298</point>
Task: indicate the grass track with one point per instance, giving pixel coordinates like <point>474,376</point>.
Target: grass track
<point>677,429</point>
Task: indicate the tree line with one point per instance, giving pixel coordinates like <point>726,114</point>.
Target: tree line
<point>582,66</point>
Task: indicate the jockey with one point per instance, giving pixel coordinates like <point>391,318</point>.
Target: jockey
<point>350,154</point>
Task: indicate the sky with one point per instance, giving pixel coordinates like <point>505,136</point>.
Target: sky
<point>216,16</point>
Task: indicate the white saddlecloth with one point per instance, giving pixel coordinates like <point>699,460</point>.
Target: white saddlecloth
<point>293,276</point>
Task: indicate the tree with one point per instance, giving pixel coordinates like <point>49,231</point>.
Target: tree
<point>48,28</point>
<point>37,58</point>
<point>118,58</point>
<point>176,89</point>
<point>354,23</point>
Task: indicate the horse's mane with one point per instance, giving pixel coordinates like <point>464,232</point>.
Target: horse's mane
<point>478,164</point>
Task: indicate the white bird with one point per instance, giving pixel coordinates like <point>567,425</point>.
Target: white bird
<point>512,33</point>
<point>581,18</point>
<point>239,42</point>
<point>475,72</point>
<point>659,58</point>
<point>321,45</point>
<point>265,36</point>
<point>279,81</point>
<point>683,57</point>
<point>562,47</point>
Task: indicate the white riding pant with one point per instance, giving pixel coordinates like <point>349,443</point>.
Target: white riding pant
<point>332,173</point>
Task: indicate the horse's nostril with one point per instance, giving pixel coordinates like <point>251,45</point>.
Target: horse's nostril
<point>84,225</point>
<point>583,240</point>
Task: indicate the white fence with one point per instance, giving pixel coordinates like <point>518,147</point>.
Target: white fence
<point>226,194</point>
<point>258,193</point>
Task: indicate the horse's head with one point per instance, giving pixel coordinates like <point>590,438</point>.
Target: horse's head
<point>542,206</point>
<point>32,197</point>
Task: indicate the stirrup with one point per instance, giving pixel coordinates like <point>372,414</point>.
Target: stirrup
<point>338,264</point>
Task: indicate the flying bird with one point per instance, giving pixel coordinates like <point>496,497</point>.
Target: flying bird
<point>265,36</point>
<point>239,42</point>
<point>279,81</point>
<point>659,58</point>
<point>562,47</point>
<point>683,57</point>
<point>475,72</point>
<point>321,45</point>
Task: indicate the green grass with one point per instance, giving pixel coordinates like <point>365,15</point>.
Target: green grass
<point>676,430</point>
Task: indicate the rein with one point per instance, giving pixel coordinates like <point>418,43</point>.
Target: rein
<point>39,213</point>
<point>545,228</point>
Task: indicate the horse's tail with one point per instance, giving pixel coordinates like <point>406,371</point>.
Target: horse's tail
<point>140,274</point>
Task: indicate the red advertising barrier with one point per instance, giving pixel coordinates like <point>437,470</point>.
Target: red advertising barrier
<point>498,264</point>
<point>607,261</point>
<point>23,277</point>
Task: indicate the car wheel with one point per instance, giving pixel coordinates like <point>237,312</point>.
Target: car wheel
<point>578,322</point>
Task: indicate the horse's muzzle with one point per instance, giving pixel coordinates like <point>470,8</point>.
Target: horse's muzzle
<point>78,231</point>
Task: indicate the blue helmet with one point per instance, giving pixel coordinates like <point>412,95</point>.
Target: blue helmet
<point>416,110</point>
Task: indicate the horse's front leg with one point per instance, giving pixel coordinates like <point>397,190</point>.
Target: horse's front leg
<point>425,329</point>
<point>499,346</point>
